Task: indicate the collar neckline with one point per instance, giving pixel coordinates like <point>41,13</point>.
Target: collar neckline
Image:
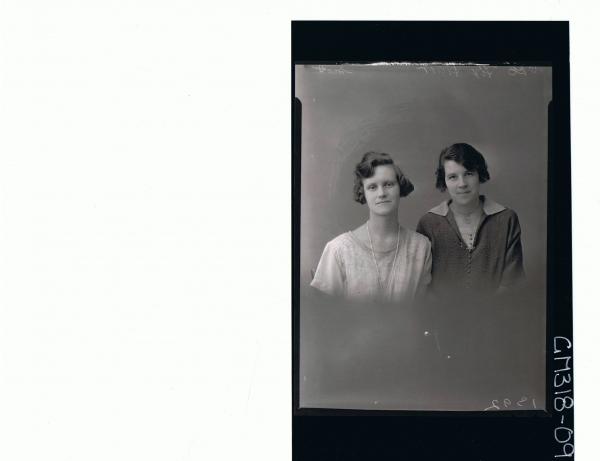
<point>489,207</point>
<point>368,248</point>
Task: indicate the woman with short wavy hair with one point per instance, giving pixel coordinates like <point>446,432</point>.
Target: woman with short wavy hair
<point>380,260</point>
<point>476,242</point>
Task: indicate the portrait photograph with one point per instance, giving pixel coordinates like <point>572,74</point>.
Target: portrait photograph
<point>423,196</point>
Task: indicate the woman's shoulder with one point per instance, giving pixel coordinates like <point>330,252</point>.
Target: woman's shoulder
<point>510,214</point>
<point>508,219</point>
<point>341,242</point>
<point>433,219</point>
<point>437,212</point>
<point>492,208</point>
<point>416,240</point>
<point>430,218</point>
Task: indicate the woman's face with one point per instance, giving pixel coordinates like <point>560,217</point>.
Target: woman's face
<point>382,191</point>
<point>463,185</point>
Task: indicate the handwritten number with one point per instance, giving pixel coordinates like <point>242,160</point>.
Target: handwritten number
<point>563,434</point>
<point>569,433</point>
<point>507,403</point>
<point>494,406</point>
<point>563,402</point>
<point>565,380</point>
<point>517,70</point>
<point>565,453</point>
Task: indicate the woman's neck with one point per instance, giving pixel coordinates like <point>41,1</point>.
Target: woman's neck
<point>383,226</point>
<point>467,208</point>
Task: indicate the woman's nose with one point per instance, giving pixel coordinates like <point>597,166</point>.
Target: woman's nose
<point>461,181</point>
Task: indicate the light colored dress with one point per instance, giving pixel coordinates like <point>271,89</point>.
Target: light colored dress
<point>347,268</point>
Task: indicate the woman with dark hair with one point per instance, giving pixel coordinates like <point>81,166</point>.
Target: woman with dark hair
<point>380,260</point>
<point>476,242</point>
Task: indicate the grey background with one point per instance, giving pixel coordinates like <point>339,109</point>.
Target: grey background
<point>412,112</point>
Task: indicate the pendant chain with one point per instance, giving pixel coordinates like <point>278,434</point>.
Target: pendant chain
<point>391,275</point>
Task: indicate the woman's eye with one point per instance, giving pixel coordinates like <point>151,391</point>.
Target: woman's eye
<point>451,178</point>
<point>390,184</point>
<point>371,187</point>
<point>469,173</point>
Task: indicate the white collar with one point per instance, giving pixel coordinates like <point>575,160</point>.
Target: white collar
<point>489,207</point>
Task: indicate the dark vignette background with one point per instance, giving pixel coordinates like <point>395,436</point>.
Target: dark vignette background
<point>456,436</point>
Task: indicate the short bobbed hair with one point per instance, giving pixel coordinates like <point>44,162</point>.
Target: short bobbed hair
<point>366,168</point>
<point>466,155</point>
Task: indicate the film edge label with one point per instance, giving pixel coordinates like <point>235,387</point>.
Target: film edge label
<point>563,396</point>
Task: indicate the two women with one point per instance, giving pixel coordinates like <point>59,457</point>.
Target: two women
<point>472,244</point>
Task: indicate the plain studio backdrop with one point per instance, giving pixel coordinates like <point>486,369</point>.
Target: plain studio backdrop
<point>412,112</point>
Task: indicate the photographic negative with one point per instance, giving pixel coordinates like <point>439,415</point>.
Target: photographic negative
<point>467,353</point>
<point>423,235</point>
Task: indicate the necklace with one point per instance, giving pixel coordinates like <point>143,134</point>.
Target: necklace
<point>467,225</point>
<point>391,275</point>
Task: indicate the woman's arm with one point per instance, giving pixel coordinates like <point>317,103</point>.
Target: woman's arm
<point>425,279</point>
<point>513,271</point>
<point>330,275</point>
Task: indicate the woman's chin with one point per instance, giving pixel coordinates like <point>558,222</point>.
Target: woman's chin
<point>384,211</point>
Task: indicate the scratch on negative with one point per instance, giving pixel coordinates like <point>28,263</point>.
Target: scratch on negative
<point>253,374</point>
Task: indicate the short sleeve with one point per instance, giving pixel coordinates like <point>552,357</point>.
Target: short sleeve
<point>330,277</point>
<point>513,260</point>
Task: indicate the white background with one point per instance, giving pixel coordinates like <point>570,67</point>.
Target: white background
<point>145,222</point>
